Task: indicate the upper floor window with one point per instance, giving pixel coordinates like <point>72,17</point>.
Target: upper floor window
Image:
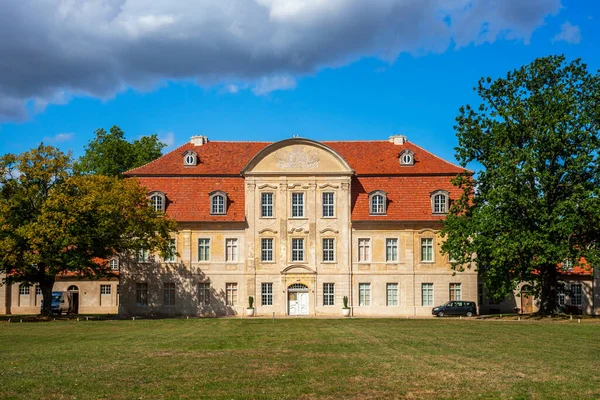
<point>328,204</point>
<point>427,249</point>
<point>157,201</point>
<point>328,250</point>
<point>218,203</point>
<point>440,202</point>
<point>231,250</point>
<point>391,250</point>
<point>364,250</point>
<point>407,157</point>
<point>203,249</point>
<point>266,204</point>
<point>297,249</point>
<point>114,264</point>
<point>172,255</point>
<point>297,205</point>
<point>266,249</point>
<point>143,255</point>
<point>190,158</point>
<point>377,202</point>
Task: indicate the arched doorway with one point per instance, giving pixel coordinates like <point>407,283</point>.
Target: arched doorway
<point>526,300</point>
<point>297,299</point>
<point>73,296</point>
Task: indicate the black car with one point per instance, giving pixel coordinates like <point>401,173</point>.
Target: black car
<point>467,308</point>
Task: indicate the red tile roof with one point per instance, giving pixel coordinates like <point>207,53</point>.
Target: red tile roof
<point>375,163</point>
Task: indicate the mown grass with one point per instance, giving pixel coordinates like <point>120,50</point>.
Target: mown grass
<point>300,359</point>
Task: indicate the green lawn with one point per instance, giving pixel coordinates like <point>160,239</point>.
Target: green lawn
<point>300,358</point>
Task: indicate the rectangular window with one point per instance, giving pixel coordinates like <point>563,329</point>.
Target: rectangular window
<point>141,294</point>
<point>203,249</point>
<point>266,292</point>
<point>561,298</point>
<point>105,289</point>
<point>392,294</point>
<point>169,293</point>
<point>364,294</point>
<point>328,294</point>
<point>364,250</point>
<point>391,250</point>
<point>266,205</point>
<point>328,250</point>
<point>231,294</point>
<point>427,294</point>
<point>576,298</point>
<point>114,264</point>
<point>204,293</point>
<point>297,249</point>
<point>171,257</point>
<point>427,250</point>
<point>231,250</point>
<point>143,255</point>
<point>455,291</point>
<point>266,250</point>
<point>328,205</point>
<point>480,293</point>
<point>297,205</point>
<point>24,290</point>
<point>38,291</point>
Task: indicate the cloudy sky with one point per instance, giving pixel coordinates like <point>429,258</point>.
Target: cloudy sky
<point>267,69</point>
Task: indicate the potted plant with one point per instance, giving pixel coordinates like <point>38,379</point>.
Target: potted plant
<point>250,309</point>
<point>346,309</point>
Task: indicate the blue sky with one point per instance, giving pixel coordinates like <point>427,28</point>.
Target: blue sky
<point>400,82</point>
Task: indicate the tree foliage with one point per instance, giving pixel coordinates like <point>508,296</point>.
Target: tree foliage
<point>536,200</point>
<point>53,222</point>
<point>110,154</point>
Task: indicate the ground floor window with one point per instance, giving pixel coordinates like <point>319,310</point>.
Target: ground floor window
<point>141,294</point>
<point>204,293</point>
<point>105,289</point>
<point>576,298</point>
<point>231,294</point>
<point>427,294</point>
<point>267,294</point>
<point>480,293</point>
<point>24,289</point>
<point>38,291</point>
<point>169,294</point>
<point>328,294</point>
<point>455,291</point>
<point>561,298</point>
<point>392,294</point>
<point>364,294</point>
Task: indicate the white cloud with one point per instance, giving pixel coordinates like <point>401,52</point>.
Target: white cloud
<point>568,33</point>
<point>60,137</point>
<point>271,84</point>
<point>167,138</point>
<point>63,48</point>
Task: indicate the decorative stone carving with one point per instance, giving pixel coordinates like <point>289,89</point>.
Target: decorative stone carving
<point>266,230</point>
<point>298,157</point>
<point>345,186</point>
<point>329,230</point>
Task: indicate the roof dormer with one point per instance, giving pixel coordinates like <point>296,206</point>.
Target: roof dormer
<point>407,157</point>
<point>190,158</point>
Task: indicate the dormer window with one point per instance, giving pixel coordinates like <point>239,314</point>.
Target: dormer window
<point>190,158</point>
<point>407,157</point>
<point>377,202</point>
<point>157,201</point>
<point>218,203</point>
<point>440,202</point>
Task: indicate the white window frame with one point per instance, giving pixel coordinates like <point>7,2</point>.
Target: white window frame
<point>190,158</point>
<point>218,207</point>
<point>379,208</point>
<point>328,250</point>
<point>169,294</point>
<point>298,249</point>
<point>407,157</point>
<point>38,290</point>
<point>364,294</point>
<point>266,293</point>
<point>298,202</point>
<point>391,244</point>
<point>576,295</point>
<point>391,294</point>
<point>267,209</point>
<point>440,202</point>
<point>143,256</point>
<point>24,289</point>
<point>427,299</point>
<point>203,243</point>
<point>328,294</point>
<point>267,253</point>
<point>364,249</point>
<point>231,244</point>
<point>455,291</point>
<point>328,206</point>
<point>114,264</point>
<point>105,290</point>
<point>425,245</point>
<point>231,294</point>
<point>204,293</point>
<point>173,246</point>
<point>158,201</point>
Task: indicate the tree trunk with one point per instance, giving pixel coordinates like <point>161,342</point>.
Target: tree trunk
<point>549,292</point>
<point>46,287</point>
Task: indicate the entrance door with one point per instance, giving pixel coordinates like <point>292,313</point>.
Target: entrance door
<point>298,299</point>
<point>526,303</point>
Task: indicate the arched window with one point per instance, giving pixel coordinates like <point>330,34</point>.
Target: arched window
<point>377,202</point>
<point>218,203</point>
<point>157,201</point>
<point>190,158</point>
<point>440,200</point>
<point>407,157</point>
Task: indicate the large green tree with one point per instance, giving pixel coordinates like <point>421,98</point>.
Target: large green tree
<point>536,200</point>
<point>54,222</point>
<point>110,154</point>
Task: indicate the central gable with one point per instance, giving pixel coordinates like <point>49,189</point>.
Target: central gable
<point>297,157</point>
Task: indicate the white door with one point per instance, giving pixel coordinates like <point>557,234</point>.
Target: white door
<point>303,303</point>
<point>293,303</point>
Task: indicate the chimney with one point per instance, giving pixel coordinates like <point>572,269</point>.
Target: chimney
<point>398,139</point>
<point>198,140</point>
